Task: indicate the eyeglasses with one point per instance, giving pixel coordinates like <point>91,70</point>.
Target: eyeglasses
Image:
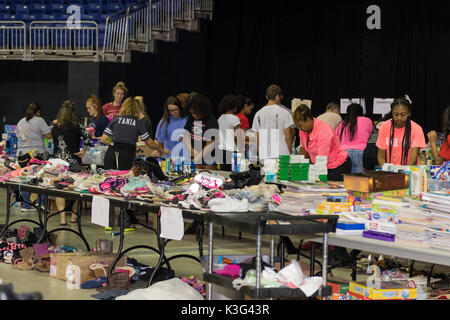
<point>172,110</point>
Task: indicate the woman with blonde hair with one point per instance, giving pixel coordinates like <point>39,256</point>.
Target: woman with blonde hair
<point>98,121</point>
<point>124,132</point>
<point>112,109</point>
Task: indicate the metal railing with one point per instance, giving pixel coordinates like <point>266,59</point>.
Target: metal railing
<point>56,37</point>
<point>204,5</point>
<point>183,10</point>
<point>139,22</point>
<point>13,39</point>
<point>116,33</point>
<point>162,17</point>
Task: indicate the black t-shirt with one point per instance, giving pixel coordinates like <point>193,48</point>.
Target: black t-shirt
<point>124,129</point>
<point>197,129</point>
<point>67,141</point>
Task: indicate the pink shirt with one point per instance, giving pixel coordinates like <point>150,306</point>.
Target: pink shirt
<point>110,110</point>
<point>323,142</point>
<point>417,140</point>
<point>362,134</point>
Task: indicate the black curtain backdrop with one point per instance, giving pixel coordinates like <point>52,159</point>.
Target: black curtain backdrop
<point>323,50</point>
<point>315,49</point>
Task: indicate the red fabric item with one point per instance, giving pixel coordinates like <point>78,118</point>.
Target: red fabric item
<point>244,121</point>
<point>110,110</point>
<point>445,149</point>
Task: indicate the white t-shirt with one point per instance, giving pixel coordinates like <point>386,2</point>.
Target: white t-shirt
<point>30,134</point>
<point>270,123</point>
<point>227,122</point>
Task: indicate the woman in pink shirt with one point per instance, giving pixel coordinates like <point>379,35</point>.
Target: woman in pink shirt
<point>400,139</point>
<point>354,132</point>
<point>111,109</point>
<point>319,139</point>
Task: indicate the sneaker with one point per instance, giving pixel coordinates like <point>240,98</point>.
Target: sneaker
<point>28,209</point>
<point>109,228</point>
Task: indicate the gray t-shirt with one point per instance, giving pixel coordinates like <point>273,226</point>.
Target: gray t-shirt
<point>30,134</point>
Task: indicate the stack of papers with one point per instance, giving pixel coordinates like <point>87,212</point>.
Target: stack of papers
<point>412,226</point>
<point>438,203</point>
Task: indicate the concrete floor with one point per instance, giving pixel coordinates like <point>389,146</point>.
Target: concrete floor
<point>55,289</point>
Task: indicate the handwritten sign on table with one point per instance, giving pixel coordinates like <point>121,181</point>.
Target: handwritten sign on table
<point>172,224</point>
<point>100,211</point>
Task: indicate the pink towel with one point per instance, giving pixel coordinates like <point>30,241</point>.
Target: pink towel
<point>231,270</point>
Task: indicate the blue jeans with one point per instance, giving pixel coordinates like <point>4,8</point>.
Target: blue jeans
<point>357,160</point>
<point>26,200</point>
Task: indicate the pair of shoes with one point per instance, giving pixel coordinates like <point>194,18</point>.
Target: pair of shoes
<point>27,209</point>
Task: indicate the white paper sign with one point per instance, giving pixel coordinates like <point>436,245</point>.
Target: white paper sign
<point>172,224</point>
<point>100,211</point>
<point>382,106</point>
<point>346,102</point>
<point>295,103</point>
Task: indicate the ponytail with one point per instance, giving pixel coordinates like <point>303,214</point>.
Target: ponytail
<point>32,109</point>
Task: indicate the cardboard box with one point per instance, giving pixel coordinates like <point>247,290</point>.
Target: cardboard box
<point>59,262</point>
<point>339,289</point>
<point>389,290</point>
<point>375,181</point>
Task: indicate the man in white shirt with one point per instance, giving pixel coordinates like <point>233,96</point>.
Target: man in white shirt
<point>273,126</point>
<point>331,115</point>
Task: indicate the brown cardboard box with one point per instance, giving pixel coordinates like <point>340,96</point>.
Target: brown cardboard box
<point>59,261</point>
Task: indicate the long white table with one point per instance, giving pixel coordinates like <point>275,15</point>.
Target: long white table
<point>430,255</point>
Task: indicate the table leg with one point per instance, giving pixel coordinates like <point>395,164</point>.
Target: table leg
<point>200,239</point>
<point>8,211</point>
<point>258,260</point>
<point>44,227</point>
<point>81,235</point>
<point>325,258</point>
<point>122,236</point>
<point>210,257</point>
<point>312,262</point>
<point>282,252</point>
<point>272,251</point>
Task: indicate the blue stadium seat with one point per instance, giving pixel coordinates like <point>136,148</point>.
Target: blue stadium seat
<point>113,7</point>
<point>90,17</point>
<point>102,18</point>
<point>39,8</point>
<point>48,17</point>
<point>5,9</point>
<point>94,8</point>
<point>22,9</point>
<point>57,8</point>
<point>28,17</point>
<point>61,17</point>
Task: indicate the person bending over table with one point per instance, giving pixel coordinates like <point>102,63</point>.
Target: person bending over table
<point>400,139</point>
<point>354,132</point>
<point>444,153</point>
<point>67,134</point>
<point>31,131</point>
<point>197,127</point>
<point>170,130</point>
<point>124,132</point>
<point>99,121</point>
<point>319,139</point>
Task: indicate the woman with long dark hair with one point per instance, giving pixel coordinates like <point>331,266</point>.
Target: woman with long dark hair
<point>31,131</point>
<point>400,139</point>
<point>353,133</point>
<point>444,152</point>
<point>170,129</point>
